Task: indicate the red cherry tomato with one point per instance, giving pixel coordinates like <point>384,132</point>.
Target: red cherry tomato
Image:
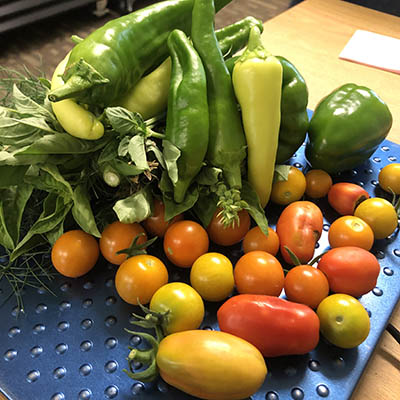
<point>344,197</point>
<point>350,270</point>
<point>299,227</point>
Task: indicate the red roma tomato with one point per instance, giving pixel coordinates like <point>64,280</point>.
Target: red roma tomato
<point>255,239</point>
<point>350,230</point>
<point>139,277</point>
<point>318,183</point>
<point>299,227</point>
<point>227,236</point>
<point>184,242</point>
<point>350,270</point>
<point>156,225</point>
<point>344,197</point>
<point>74,253</point>
<point>306,285</point>
<point>211,365</point>
<point>276,326</point>
<point>259,272</point>
<point>118,236</point>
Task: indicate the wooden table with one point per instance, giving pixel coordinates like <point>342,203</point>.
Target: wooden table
<point>311,35</point>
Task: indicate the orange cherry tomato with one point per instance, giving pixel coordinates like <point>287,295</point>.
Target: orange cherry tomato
<point>139,277</point>
<point>389,178</point>
<point>350,230</point>
<point>228,236</point>
<point>344,197</point>
<point>299,227</point>
<point>184,242</point>
<point>74,253</point>
<point>119,236</point>
<point>307,285</point>
<point>156,225</point>
<point>259,272</point>
<point>290,190</point>
<point>255,239</point>
<point>318,183</point>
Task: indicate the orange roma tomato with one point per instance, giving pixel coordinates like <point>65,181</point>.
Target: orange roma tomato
<point>156,225</point>
<point>344,197</point>
<point>307,285</point>
<point>299,227</point>
<point>74,253</point>
<point>259,272</point>
<point>119,236</point>
<point>255,239</point>
<point>184,242</point>
<point>290,190</point>
<point>350,230</point>
<point>227,236</point>
<point>350,270</point>
<point>139,277</point>
<point>318,183</point>
<point>389,178</point>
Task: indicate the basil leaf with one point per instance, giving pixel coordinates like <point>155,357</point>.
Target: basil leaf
<point>172,209</point>
<point>125,122</point>
<point>281,172</point>
<point>205,207</point>
<point>135,208</point>
<point>12,175</point>
<point>22,132</point>
<point>82,211</point>
<point>137,152</point>
<point>152,147</point>
<point>171,154</point>
<point>209,176</point>
<point>123,147</point>
<point>125,169</point>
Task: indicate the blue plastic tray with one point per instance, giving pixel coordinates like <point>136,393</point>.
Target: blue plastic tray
<point>73,345</point>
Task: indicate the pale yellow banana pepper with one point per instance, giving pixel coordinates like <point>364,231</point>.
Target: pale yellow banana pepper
<point>74,118</point>
<point>257,81</point>
<point>150,95</point>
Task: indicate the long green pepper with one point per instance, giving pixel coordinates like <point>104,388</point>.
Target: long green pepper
<point>187,116</point>
<point>113,58</point>
<point>227,143</point>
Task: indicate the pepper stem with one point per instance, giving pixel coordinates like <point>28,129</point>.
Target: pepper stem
<point>255,47</point>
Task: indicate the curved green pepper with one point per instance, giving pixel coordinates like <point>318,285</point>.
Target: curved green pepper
<point>346,128</point>
<point>113,58</point>
<point>227,142</point>
<point>187,116</point>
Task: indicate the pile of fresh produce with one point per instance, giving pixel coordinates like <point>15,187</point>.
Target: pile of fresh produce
<point>154,129</point>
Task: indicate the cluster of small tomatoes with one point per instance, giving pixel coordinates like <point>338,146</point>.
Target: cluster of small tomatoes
<point>343,273</point>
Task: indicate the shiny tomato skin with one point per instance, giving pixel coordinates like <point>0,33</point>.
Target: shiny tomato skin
<point>139,277</point>
<point>350,270</point>
<point>75,253</point>
<point>344,197</point>
<point>259,272</point>
<point>228,236</point>
<point>211,365</point>
<point>389,178</point>
<point>299,227</point>
<point>177,298</point>
<point>380,215</point>
<point>318,183</point>
<point>212,276</point>
<point>307,285</point>
<point>255,239</point>
<point>276,326</point>
<point>119,236</point>
<point>290,190</point>
<point>349,230</point>
<point>344,321</point>
<point>156,225</point>
<point>184,242</point>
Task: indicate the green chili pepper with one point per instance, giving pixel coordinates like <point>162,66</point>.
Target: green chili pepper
<point>227,143</point>
<point>150,95</point>
<point>257,80</point>
<point>346,128</point>
<point>75,119</point>
<point>113,58</point>
<point>187,116</point>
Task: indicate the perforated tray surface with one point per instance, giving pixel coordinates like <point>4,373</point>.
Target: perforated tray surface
<point>73,345</point>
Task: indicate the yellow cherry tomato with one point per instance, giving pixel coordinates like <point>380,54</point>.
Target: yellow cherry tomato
<point>379,214</point>
<point>177,298</point>
<point>290,190</point>
<point>389,178</point>
<point>212,276</point>
<point>343,320</point>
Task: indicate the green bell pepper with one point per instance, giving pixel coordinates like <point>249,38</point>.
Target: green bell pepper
<point>346,128</point>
